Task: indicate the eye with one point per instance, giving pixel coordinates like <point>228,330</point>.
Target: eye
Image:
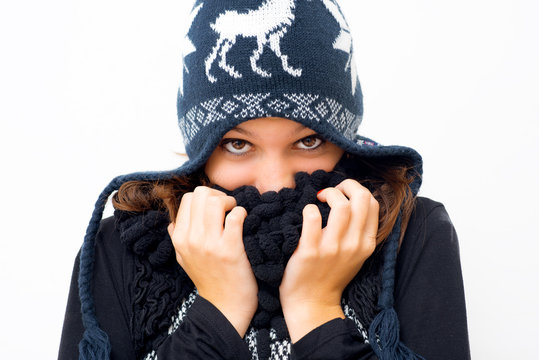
<point>310,142</point>
<point>236,146</point>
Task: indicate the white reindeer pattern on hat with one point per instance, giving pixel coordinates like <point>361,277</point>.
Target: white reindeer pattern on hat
<point>187,46</point>
<point>343,41</point>
<point>268,24</point>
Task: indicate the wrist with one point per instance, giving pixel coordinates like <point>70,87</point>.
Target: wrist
<point>304,317</point>
<point>239,315</point>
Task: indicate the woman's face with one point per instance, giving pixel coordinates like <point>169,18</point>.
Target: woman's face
<point>267,152</point>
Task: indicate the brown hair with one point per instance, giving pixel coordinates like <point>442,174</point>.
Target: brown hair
<point>388,181</point>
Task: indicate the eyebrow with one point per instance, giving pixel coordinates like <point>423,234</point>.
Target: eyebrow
<point>246,132</point>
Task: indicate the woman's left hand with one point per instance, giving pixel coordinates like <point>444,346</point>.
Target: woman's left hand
<point>327,259</point>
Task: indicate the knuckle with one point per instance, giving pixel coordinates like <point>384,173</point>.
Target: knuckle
<point>235,217</point>
<point>342,206</point>
<point>200,190</point>
<point>375,205</point>
<point>363,194</point>
<point>331,250</point>
<point>361,198</point>
<point>222,255</point>
<point>350,182</point>
<point>311,218</point>
<point>227,257</point>
<point>368,246</point>
<point>308,255</point>
<point>209,251</point>
<point>311,213</point>
<point>233,200</point>
<point>215,201</point>
<point>241,211</point>
<point>215,191</point>
<point>179,244</point>
<point>187,196</point>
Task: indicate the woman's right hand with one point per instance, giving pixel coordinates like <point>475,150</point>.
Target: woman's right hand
<point>213,255</point>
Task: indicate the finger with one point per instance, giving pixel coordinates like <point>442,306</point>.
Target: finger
<point>339,215</point>
<point>360,202</point>
<point>311,231</point>
<point>185,206</point>
<point>234,226</point>
<point>211,191</point>
<point>180,226</point>
<point>349,187</point>
<point>363,240</point>
<point>199,206</point>
<point>217,206</point>
<point>364,216</point>
<point>183,217</point>
<point>373,219</point>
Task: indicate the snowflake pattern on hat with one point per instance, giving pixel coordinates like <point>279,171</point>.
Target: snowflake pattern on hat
<point>299,106</point>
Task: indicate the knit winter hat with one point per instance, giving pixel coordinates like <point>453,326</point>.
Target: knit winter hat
<point>245,59</point>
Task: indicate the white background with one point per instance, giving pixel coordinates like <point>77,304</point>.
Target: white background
<point>88,89</point>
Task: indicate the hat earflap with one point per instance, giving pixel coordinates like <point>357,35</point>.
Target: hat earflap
<point>95,344</point>
<point>384,334</point>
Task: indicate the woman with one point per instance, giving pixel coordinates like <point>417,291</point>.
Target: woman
<point>279,237</point>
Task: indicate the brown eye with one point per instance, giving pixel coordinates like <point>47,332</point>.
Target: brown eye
<point>236,146</point>
<point>310,142</point>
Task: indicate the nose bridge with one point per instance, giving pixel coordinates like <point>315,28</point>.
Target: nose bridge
<point>275,173</point>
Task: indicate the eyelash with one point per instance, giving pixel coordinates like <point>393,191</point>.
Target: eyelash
<point>227,141</point>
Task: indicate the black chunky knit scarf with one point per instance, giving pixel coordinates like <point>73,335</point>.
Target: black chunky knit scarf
<point>271,232</point>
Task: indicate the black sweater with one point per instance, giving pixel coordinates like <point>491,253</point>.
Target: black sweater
<point>429,300</point>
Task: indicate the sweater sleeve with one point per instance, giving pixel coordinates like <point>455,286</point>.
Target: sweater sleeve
<point>204,333</point>
<point>429,294</point>
<point>429,298</point>
<point>111,267</point>
<point>338,339</point>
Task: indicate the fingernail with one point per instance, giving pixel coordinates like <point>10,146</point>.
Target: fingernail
<point>318,193</point>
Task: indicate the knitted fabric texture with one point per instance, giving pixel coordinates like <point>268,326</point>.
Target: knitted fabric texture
<point>271,233</point>
<point>245,59</point>
<point>159,283</point>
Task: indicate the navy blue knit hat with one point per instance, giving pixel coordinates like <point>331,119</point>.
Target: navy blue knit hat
<point>246,59</point>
